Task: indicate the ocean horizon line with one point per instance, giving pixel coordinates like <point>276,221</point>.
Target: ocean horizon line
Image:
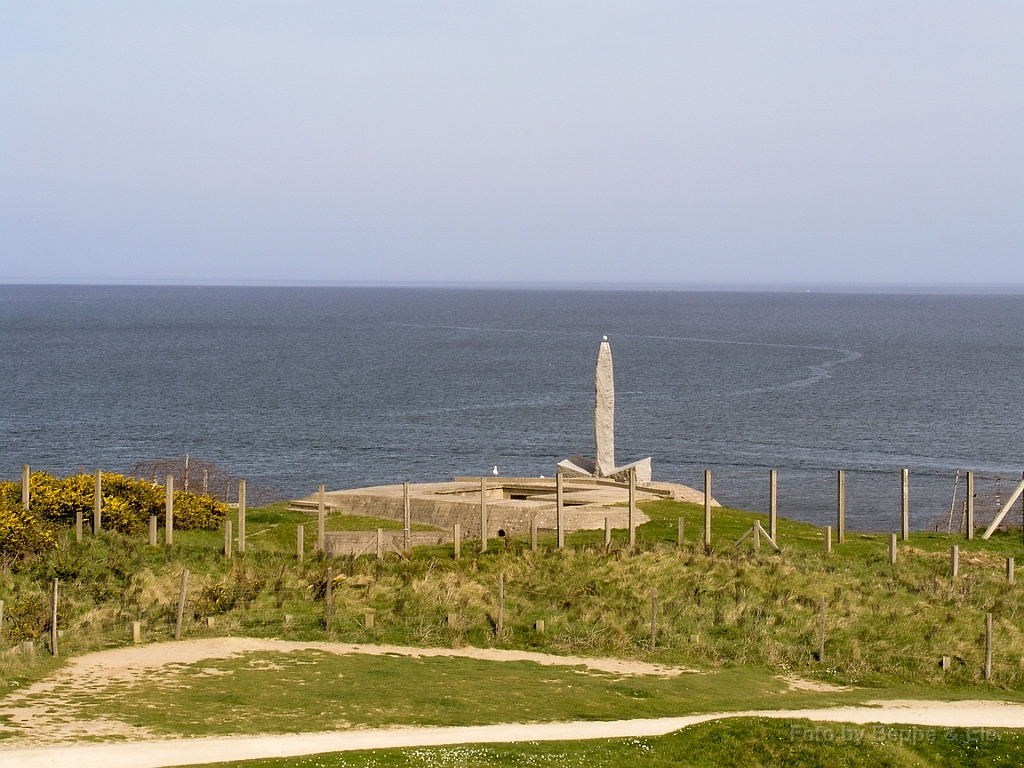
<point>618,286</point>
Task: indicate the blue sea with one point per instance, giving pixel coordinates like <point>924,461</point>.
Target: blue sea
<point>292,387</point>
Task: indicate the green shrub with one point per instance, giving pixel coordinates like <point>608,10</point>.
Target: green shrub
<point>120,515</point>
<point>22,534</point>
<point>56,503</point>
<point>141,496</point>
<point>128,502</point>
<point>28,617</point>
<point>59,501</point>
<point>10,493</point>
<point>242,588</point>
<point>198,513</point>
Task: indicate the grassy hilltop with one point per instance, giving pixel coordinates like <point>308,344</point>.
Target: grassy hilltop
<point>744,619</point>
<point>730,606</point>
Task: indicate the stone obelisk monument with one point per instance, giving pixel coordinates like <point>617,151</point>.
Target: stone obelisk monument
<point>604,412</point>
<point>603,464</point>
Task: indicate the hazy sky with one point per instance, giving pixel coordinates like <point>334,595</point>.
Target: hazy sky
<point>698,143</point>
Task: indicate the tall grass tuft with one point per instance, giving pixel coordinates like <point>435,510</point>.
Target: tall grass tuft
<point>722,607</point>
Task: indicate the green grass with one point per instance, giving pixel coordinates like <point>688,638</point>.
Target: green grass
<point>278,523</point>
<point>726,608</point>
<point>310,690</point>
<point>743,618</point>
<point>740,742</point>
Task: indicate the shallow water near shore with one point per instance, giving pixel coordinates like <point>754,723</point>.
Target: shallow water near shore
<point>292,387</point>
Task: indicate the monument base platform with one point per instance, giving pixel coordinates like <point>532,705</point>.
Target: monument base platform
<point>511,503</point>
<point>580,466</point>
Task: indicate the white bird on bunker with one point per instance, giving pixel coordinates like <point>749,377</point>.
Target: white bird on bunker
<point>495,471</point>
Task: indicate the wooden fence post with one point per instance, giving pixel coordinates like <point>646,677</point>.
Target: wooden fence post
<point>680,534</point>
<point>607,532</point>
<point>954,561</point>
<point>227,539</point>
<point>1017,493</point>
<point>892,549</point>
<point>79,525</point>
<point>26,486</point>
<point>456,540</point>
<point>300,542</point>
<point>905,502</point>
<point>707,508</point>
<point>559,510</point>
<point>773,504</point>
<point>483,514</point>
<point>1009,570</point>
<point>241,516</point>
<point>632,508</point>
<point>152,530</point>
<point>321,522</point>
<point>970,506</point>
<point>406,517</point>
<point>841,505</point>
<point>764,534</point>
<point>828,539</point>
<point>97,503</point>
<point>169,511</point>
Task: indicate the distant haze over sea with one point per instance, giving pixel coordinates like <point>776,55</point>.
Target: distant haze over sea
<point>296,386</point>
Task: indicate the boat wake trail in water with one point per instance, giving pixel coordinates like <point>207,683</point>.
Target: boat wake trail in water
<point>816,373</point>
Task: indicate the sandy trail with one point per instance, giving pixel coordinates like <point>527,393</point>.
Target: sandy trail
<point>127,663</point>
<point>176,752</point>
<point>140,750</point>
<point>37,716</point>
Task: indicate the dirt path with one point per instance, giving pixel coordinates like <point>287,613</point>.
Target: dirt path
<point>37,714</point>
<point>125,663</point>
<point>57,741</point>
<point>176,752</point>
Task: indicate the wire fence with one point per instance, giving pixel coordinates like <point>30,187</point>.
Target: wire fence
<point>198,476</point>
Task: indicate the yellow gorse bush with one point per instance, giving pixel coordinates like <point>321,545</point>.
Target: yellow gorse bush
<point>22,534</point>
<point>120,515</point>
<point>127,504</point>
<point>196,512</point>
<point>58,499</point>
